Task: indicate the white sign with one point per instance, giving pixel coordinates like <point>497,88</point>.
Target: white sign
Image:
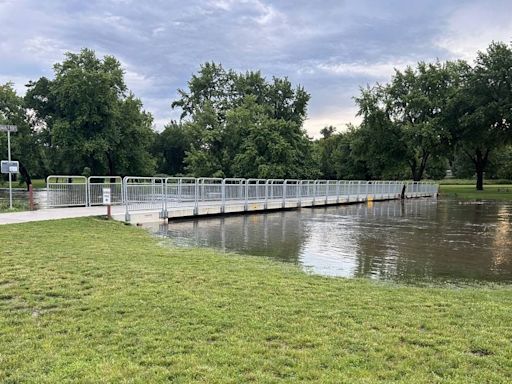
<point>106,196</point>
<point>9,166</point>
<point>8,128</point>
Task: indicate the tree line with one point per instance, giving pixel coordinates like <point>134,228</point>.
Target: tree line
<point>426,119</point>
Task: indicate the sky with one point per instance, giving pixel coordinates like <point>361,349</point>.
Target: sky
<point>332,48</point>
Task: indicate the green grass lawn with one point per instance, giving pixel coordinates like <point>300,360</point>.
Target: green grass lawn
<point>87,300</point>
<point>38,183</point>
<point>469,192</point>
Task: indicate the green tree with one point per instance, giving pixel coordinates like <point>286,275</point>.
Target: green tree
<point>90,119</point>
<point>481,110</point>
<point>241,125</point>
<point>170,147</point>
<point>407,116</point>
<point>25,145</point>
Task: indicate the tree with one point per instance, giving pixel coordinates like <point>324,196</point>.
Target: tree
<point>408,115</point>
<point>481,110</point>
<point>170,147</point>
<point>90,119</point>
<point>24,143</point>
<point>241,125</point>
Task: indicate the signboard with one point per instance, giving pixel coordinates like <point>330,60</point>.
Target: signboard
<point>8,128</point>
<point>106,196</point>
<point>9,166</point>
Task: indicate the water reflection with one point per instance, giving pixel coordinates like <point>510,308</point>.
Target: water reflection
<point>415,239</point>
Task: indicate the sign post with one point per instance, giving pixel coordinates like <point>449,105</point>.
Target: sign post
<point>107,201</point>
<point>9,129</point>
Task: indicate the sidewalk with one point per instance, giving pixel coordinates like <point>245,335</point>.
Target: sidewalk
<point>59,213</point>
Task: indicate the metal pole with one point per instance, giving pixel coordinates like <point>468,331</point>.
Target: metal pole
<point>9,157</point>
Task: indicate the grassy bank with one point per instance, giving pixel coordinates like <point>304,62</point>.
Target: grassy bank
<point>472,181</point>
<point>17,206</point>
<point>469,192</point>
<point>87,300</point>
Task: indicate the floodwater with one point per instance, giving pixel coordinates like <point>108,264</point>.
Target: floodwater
<point>21,194</point>
<point>420,239</point>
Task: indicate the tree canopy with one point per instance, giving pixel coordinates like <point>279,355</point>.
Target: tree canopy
<point>88,118</point>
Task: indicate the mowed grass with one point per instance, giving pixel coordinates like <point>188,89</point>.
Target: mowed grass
<point>469,192</point>
<point>88,300</point>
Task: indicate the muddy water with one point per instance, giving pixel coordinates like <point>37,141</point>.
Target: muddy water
<point>419,239</point>
<point>21,195</point>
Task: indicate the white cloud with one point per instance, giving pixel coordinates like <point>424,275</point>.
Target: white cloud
<point>372,70</point>
<point>471,28</point>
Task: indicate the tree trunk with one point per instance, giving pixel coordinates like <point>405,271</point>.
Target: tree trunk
<point>110,165</point>
<point>479,179</point>
<point>414,171</point>
<point>480,161</point>
<point>423,165</point>
<point>25,174</point>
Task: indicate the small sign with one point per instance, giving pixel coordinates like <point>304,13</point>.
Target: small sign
<point>10,166</point>
<point>8,128</point>
<point>106,196</point>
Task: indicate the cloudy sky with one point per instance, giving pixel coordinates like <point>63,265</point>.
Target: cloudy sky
<point>330,47</point>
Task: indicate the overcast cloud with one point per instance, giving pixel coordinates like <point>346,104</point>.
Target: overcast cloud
<point>330,47</point>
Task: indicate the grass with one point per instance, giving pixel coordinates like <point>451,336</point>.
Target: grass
<point>38,183</point>
<point>469,192</point>
<point>472,181</point>
<point>17,206</point>
<point>88,300</point>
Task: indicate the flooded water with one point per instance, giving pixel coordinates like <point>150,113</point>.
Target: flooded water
<point>21,195</point>
<point>423,239</point>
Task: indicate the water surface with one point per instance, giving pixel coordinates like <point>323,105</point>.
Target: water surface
<point>419,239</point>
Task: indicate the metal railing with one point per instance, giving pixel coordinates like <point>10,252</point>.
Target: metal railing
<point>163,194</point>
<point>153,193</point>
<point>95,185</point>
<point>66,191</point>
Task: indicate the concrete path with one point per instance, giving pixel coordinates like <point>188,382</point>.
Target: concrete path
<point>59,213</point>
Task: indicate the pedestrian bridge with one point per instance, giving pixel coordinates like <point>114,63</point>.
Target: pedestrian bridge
<point>153,198</point>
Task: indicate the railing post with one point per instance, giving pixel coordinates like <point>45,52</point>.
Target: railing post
<point>246,192</point>
<point>196,197</point>
<point>283,205</point>
<point>266,195</point>
<point>127,210</point>
<point>223,195</point>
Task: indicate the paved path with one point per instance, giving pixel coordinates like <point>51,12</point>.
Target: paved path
<point>58,213</point>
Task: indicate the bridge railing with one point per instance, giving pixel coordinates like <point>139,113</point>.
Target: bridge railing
<point>158,193</point>
<point>95,185</point>
<point>66,191</point>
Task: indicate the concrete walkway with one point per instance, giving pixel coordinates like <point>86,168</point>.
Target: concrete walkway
<point>59,213</point>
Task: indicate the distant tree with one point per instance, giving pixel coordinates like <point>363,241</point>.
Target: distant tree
<point>90,119</point>
<point>407,116</point>
<point>327,132</point>
<point>481,110</point>
<point>25,146</point>
<point>242,125</point>
<point>170,148</point>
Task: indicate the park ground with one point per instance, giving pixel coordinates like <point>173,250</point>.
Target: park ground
<point>90,300</point>
<point>465,191</point>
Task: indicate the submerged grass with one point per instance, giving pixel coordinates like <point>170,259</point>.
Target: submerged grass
<point>87,300</point>
<point>17,206</point>
<point>469,192</point>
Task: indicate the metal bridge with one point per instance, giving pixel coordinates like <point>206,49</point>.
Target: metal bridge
<point>153,198</point>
